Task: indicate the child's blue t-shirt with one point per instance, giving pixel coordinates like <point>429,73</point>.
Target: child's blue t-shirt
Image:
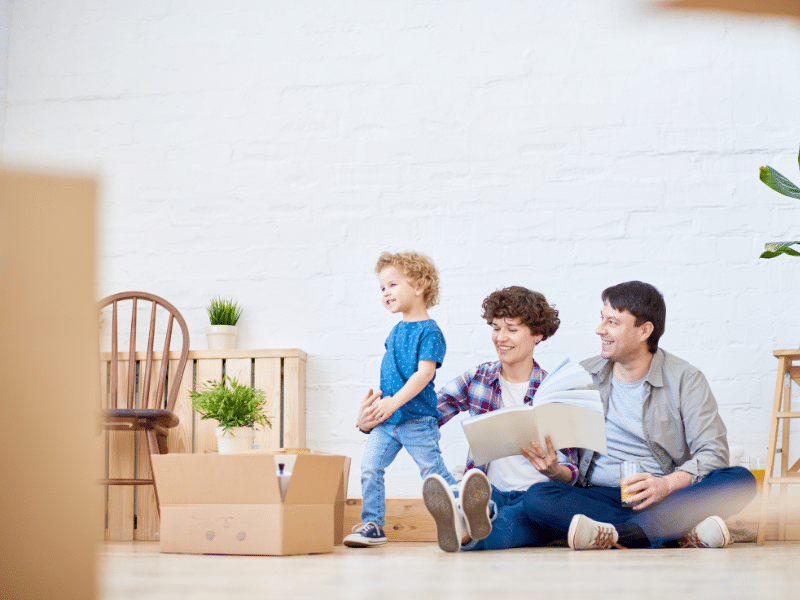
<point>407,344</point>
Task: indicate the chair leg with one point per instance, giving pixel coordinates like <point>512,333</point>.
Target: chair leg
<point>153,447</point>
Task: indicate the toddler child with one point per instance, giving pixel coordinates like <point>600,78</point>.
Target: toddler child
<point>404,409</point>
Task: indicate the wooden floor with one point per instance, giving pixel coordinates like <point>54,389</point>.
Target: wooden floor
<point>420,571</point>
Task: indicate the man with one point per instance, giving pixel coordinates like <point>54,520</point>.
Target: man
<point>660,412</point>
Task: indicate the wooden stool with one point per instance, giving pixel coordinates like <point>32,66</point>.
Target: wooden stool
<point>781,409</point>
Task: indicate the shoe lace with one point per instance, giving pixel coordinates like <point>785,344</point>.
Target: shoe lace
<point>690,540</point>
<point>364,528</point>
<point>605,539</point>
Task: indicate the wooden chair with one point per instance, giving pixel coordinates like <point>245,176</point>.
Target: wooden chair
<point>149,396</point>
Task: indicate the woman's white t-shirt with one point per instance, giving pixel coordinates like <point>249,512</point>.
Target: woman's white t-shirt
<point>513,472</point>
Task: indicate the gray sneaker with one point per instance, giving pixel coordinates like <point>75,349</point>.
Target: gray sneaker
<point>474,494</point>
<point>441,503</point>
<point>709,533</point>
<point>587,534</point>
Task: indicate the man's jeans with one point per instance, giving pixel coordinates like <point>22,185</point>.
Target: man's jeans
<point>550,506</point>
<point>420,437</point>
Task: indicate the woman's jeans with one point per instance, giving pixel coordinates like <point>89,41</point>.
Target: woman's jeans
<point>510,525</point>
<point>420,438</point>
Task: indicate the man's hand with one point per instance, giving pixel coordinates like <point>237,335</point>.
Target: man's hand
<point>648,490</point>
<point>364,422</point>
<point>546,462</point>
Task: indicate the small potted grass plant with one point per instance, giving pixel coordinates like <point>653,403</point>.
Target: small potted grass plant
<point>223,314</point>
<point>236,408</point>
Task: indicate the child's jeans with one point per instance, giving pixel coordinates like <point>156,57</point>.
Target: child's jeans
<point>420,437</point>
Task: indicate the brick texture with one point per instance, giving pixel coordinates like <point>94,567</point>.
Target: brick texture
<point>270,151</point>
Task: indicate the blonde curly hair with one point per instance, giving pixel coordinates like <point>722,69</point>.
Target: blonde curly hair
<point>418,269</point>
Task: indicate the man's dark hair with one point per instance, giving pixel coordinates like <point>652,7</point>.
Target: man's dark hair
<point>644,302</point>
<point>530,307</point>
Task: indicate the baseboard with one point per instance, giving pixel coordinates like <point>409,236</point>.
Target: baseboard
<point>407,519</point>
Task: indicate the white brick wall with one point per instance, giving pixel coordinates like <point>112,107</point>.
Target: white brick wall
<point>271,150</point>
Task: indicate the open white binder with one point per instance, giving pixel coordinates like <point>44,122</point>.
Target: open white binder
<point>564,407</point>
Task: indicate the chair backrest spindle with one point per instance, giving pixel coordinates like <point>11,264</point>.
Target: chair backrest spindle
<point>162,374</point>
<point>132,360</point>
<point>144,394</point>
<point>114,358</point>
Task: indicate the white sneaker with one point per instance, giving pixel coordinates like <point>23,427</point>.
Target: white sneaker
<point>474,494</point>
<point>586,534</point>
<point>709,533</point>
<point>441,503</point>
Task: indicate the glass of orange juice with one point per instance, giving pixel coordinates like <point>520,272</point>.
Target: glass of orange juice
<point>627,468</point>
<point>757,469</point>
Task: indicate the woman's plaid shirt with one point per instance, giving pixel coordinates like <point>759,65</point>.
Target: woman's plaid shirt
<point>478,391</point>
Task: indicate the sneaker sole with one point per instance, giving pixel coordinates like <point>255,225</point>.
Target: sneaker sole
<point>364,542</point>
<point>573,529</point>
<point>475,498</point>
<point>726,534</point>
<point>437,501</point>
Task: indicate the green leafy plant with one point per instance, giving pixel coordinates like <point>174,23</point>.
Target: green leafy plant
<point>223,312</point>
<point>782,185</point>
<point>234,406</point>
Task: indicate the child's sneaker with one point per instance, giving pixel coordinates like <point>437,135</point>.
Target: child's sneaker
<point>474,494</point>
<point>441,503</point>
<point>709,533</point>
<point>365,535</point>
<point>587,534</point>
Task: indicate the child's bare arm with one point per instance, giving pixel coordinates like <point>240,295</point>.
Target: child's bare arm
<point>384,408</point>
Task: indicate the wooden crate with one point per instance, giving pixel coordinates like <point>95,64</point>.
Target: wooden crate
<point>131,512</point>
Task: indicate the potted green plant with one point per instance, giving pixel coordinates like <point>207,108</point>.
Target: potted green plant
<point>236,408</point>
<point>782,185</point>
<point>223,314</point>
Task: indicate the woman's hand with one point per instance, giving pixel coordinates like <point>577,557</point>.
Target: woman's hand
<point>546,462</point>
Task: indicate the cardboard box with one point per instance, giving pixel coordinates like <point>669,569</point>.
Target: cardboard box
<point>231,503</point>
<point>338,506</point>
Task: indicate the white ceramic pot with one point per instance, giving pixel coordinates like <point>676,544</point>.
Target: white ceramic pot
<point>221,337</point>
<point>237,439</point>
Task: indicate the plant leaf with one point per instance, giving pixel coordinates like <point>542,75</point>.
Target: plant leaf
<point>777,248</point>
<point>778,182</point>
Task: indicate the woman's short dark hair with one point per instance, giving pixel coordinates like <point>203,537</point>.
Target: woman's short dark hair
<point>644,302</point>
<point>530,307</point>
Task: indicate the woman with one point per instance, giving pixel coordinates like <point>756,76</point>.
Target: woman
<point>520,319</point>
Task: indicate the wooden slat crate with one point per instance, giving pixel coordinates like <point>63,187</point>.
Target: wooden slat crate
<point>131,512</point>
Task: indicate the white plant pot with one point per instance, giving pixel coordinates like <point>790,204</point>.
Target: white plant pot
<point>238,439</point>
<point>221,337</point>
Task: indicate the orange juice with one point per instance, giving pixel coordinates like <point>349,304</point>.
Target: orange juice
<point>759,475</point>
<point>627,469</point>
<point>625,496</point>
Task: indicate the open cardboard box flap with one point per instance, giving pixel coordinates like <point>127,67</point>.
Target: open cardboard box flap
<point>246,478</point>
